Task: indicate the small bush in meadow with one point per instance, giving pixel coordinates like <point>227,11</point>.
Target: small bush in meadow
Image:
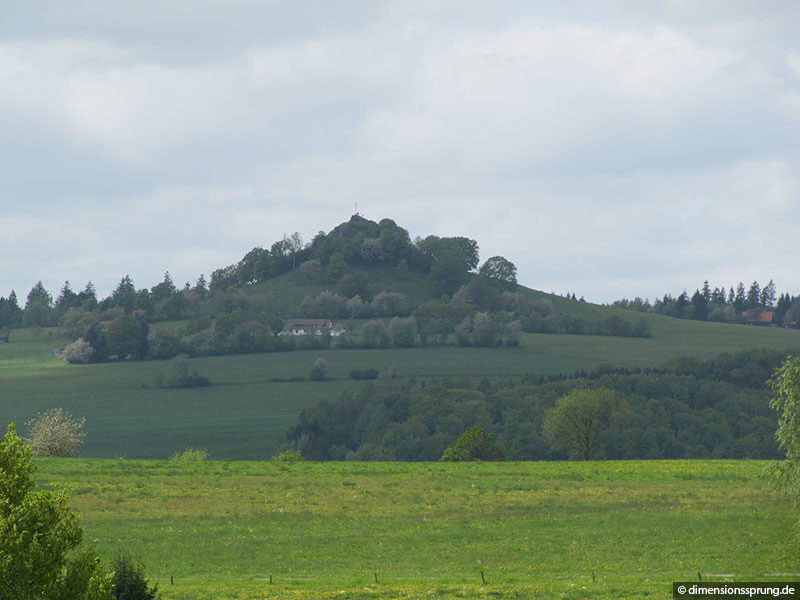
<point>55,433</point>
<point>129,581</point>
<point>474,444</point>
<point>289,456</point>
<point>365,374</point>
<point>319,371</point>
<point>79,352</point>
<point>180,375</point>
<point>190,455</point>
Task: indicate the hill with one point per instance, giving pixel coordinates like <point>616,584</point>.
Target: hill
<point>417,310</point>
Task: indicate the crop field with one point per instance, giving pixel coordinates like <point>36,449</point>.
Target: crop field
<point>244,413</point>
<point>245,530</point>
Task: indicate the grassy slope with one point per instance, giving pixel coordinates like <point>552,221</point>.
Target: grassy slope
<point>243,414</point>
<point>428,530</point>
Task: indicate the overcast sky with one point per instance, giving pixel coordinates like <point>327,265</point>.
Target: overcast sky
<point>611,149</point>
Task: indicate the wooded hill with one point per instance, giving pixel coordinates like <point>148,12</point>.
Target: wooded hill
<point>367,278</point>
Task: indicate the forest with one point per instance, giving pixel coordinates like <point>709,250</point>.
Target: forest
<point>688,408</point>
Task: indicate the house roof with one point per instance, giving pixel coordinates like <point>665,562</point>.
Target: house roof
<point>309,323</point>
<point>764,316</point>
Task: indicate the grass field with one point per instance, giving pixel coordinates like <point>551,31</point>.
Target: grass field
<point>428,530</point>
<point>243,414</point>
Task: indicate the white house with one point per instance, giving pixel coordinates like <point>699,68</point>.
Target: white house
<point>312,327</point>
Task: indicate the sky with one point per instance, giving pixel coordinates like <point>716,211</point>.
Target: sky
<point>608,149</point>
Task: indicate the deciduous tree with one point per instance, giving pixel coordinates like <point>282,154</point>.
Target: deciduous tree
<point>581,420</point>
<point>500,270</point>
<point>55,433</point>
<point>40,556</point>
<point>786,400</point>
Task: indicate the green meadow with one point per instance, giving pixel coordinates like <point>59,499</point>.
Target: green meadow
<point>244,413</point>
<point>242,530</point>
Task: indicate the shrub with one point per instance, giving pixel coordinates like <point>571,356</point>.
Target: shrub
<point>289,456</point>
<point>79,351</point>
<point>190,455</point>
<point>163,344</point>
<point>55,433</point>
<point>370,373</point>
<point>128,580</point>
<point>178,375</point>
<point>319,371</point>
<point>474,444</point>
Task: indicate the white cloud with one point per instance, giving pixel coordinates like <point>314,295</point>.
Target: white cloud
<point>628,150</point>
<point>568,97</point>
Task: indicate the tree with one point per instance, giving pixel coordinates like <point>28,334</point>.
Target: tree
<point>127,336</point>
<point>201,287</point>
<point>754,295</point>
<point>129,580</point>
<point>10,313</point>
<point>320,370</point>
<point>336,267</point>
<point>785,385</point>
<point>699,306</point>
<point>402,332</point>
<point>449,271</point>
<point>580,421</point>
<point>38,307</point>
<point>707,291</point>
<point>395,241</point>
<point>79,351</point>
<point>180,374</point>
<point>55,433</point>
<point>469,249</point>
<point>371,251</point>
<point>353,284</point>
<point>311,269</point>
<point>40,537</point>
<point>500,270</point>
<point>473,444</point>
<point>740,300</point>
<point>388,303</point>
<point>294,245</point>
<point>87,299</point>
<point>66,298</point>
<point>124,294</point>
<point>484,331</point>
<point>38,293</point>
<point>767,298</point>
<point>374,334</point>
<point>163,290</point>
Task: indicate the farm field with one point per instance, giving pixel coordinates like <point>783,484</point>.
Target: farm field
<point>244,413</point>
<point>221,530</point>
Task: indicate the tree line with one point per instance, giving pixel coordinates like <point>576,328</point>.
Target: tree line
<point>737,304</point>
<point>687,408</point>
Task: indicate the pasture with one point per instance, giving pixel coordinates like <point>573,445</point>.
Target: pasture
<point>221,530</point>
<point>244,413</point>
